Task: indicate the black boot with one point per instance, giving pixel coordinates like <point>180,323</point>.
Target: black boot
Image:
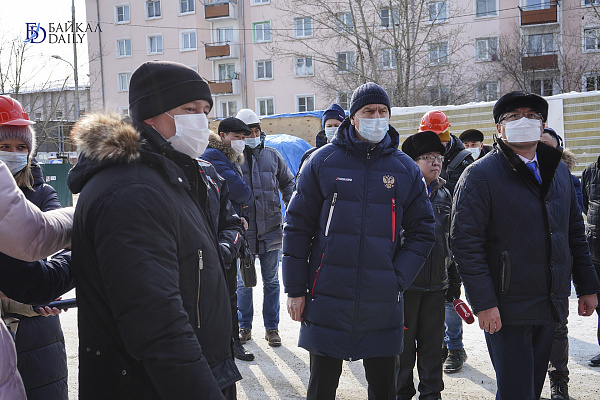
<point>240,352</point>
<point>559,387</point>
<point>455,360</point>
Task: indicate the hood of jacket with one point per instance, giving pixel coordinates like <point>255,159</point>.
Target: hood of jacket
<point>216,142</point>
<point>346,138</point>
<point>569,158</point>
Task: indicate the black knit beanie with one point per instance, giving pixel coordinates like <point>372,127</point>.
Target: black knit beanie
<point>159,86</point>
<point>369,93</point>
<point>422,143</point>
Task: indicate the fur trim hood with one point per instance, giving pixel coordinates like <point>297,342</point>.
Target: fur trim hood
<point>107,137</point>
<point>216,142</point>
<point>569,158</point>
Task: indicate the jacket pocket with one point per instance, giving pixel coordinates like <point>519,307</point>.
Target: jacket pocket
<point>331,208</point>
<point>199,292</point>
<point>312,290</point>
<point>505,272</point>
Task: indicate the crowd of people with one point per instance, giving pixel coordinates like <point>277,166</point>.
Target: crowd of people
<point>379,237</point>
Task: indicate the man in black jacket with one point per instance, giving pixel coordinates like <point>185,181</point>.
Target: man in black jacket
<point>154,311</point>
<point>515,226</point>
<point>590,180</point>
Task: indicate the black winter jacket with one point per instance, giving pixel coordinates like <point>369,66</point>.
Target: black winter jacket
<point>590,180</point>
<point>513,238</point>
<point>434,274</point>
<point>41,354</point>
<point>453,150</point>
<point>153,307</point>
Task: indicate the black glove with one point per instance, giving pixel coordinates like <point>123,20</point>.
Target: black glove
<point>226,254</point>
<point>453,292</point>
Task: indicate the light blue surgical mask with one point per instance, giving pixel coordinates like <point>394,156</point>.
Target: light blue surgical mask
<point>252,142</point>
<point>330,132</point>
<point>373,129</point>
<point>14,161</point>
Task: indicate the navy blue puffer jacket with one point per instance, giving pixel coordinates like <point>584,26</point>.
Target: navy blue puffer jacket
<point>513,238</point>
<point>342,246</point>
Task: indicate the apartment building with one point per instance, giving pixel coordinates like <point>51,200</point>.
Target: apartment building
<point>285,56</point>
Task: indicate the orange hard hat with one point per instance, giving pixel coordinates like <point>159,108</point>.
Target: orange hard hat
<point>435,121</point>
<point>12,112</point>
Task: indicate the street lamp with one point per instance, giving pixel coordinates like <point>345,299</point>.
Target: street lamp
<point>76,84</point>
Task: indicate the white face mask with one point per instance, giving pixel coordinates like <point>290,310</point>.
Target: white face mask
<point>330,132</point>
<point>14,161</point>
<point>373,129</point>
<point>475,151</point>
<point>523,130</point>
<point>238,146</point>
<point>191,134</point>
<point>252,142</point>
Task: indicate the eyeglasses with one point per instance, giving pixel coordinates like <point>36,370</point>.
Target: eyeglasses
<point>431,159</point>
<point>515,116</point>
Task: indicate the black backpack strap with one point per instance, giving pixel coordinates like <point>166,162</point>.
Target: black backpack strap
<point>460,157</point>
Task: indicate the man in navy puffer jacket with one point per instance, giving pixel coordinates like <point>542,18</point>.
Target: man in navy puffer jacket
<point>358,230</point>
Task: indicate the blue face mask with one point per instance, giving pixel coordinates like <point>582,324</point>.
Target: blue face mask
<point>252,142</point>
<point>14,161</point>
<point>373,129</point>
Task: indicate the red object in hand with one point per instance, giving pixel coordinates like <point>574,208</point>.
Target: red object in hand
<point>463,310</point>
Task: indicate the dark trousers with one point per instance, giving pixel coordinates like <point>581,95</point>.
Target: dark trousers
<point>559,356</point>
<point>230,392</point>
<point>231,279</point>
<point>520,355</point>
<point>325,374</point>
<point>423,337</point>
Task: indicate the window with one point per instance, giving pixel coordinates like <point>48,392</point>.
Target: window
<point>543,87</point>
<point>437,11</point>
<point>303,66</point>
<point>344,22</point>
<point>259,2</point>
<point>187,40</point>
<point>261,31</point>
<point>345,61</point>
<point>538,4</point>
<point>58,115</point>
<point>388,17</point>
<point>264,69</point>
<point>228,109</point>
<point>227,72</point>
<point>265,106</point>
<point>37,116</point>
<point>438,53</point>
<point>485,8</point>
<point>590,82</point>
<point>186,6</point>
<point>387,59</point>
<point>122,13</point>
<point>155,44</point>
<point>123,81</point>
<point>438,95</point>
<point>305,103</point>
<point>303,27</point>
<point>153,9</point>
<point>343,99</point>
<point>590,2</point>
<point>539,44</point>
<point>124,48</point>
<point>591,39</point>
<point>225,35</point>
<point>486,49</point>
<point>486,91</point>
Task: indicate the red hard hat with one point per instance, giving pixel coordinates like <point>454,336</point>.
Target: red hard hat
<point>435,121</point>
<point>12,112</point>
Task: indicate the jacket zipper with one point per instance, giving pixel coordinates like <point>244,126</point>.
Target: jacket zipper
<point>330,214</point>
<point>317,275</point>
<point>505,275</point>
<point>393,220</point>
<point>200,267</point>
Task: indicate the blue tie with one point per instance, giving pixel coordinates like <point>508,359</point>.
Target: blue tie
<point>532,167</point>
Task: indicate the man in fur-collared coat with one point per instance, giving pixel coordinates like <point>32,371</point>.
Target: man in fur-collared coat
<point>153,307</point>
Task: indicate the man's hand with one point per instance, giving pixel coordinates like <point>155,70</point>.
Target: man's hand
<point>587,304</point>
<point>489,320</point>
<point>244,223</point>
<point>295,306</point>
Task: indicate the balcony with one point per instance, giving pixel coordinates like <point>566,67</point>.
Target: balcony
<point>220,10</point>
<point>221,50</point>
<point>530,16</point>
<point>227,87</point>
<point>539,62</point>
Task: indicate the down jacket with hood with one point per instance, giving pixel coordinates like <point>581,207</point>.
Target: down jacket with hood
<point>513,238</point>
<point>153,307</point>
<point>591,206</point>
<point>358,230</point>
<point>266,173</point>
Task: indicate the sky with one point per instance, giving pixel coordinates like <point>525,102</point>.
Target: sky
<point>40,66</point>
